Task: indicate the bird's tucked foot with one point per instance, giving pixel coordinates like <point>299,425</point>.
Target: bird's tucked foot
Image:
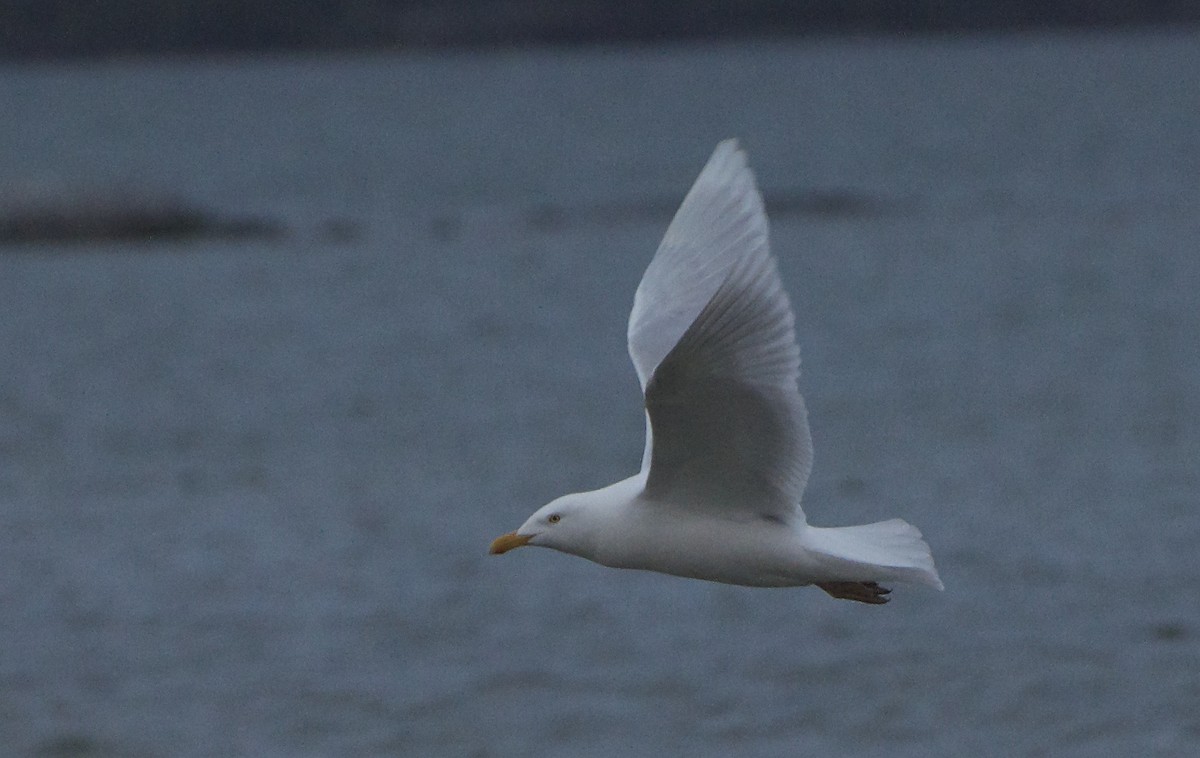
<point>863,592</point>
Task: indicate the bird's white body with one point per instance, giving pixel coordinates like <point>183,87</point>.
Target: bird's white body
<point>728,451</point>
<point>620,527</point>
<point>629,530</point>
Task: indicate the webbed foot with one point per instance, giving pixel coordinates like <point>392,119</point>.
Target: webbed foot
<point>863,592</point>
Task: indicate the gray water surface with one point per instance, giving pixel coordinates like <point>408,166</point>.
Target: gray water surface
<point>247,486</point>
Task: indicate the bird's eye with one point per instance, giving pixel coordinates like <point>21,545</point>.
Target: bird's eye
<point>554,518</point>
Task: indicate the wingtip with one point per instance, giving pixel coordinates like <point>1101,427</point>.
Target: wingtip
<point>729,148</point>
<point>729,164</point>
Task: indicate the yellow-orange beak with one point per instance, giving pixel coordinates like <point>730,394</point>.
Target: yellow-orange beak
<point>506,542</point>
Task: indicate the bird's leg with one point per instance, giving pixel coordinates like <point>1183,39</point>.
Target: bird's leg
<point>863,592</point>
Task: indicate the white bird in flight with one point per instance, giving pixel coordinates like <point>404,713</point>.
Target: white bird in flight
<point>728,450</point>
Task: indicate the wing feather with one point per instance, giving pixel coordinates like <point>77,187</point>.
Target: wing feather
<point>726,423</point>
<point>720,221</point>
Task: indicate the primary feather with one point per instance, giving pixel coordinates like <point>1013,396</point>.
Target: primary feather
<point>728,425</point>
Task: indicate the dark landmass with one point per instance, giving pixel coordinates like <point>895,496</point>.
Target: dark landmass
<point>100,220</point>
<point>33,29</point>
<point>815,204</point>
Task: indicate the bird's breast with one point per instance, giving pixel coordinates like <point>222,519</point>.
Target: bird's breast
<point>758,553</point>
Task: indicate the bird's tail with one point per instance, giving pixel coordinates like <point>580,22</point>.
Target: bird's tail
<point>886,550</point>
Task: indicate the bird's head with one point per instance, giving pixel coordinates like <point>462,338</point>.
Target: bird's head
<point>569,524</point>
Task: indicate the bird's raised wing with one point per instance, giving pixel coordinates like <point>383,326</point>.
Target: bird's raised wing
<point>711,336</point>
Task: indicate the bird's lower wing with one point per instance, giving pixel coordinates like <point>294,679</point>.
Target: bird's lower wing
<point>726,447</point>
<point>729,427</point>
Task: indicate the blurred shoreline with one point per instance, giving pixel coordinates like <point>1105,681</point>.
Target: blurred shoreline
<point>58,29</point>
